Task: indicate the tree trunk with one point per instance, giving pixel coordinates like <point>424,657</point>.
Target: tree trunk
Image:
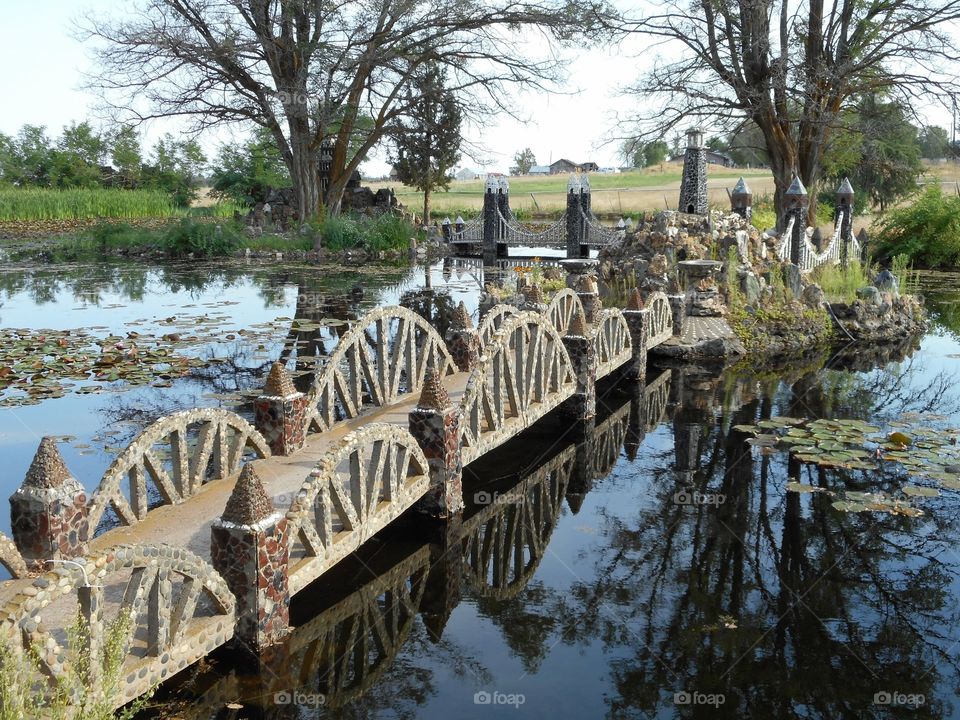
<point>426,206</point>
<point>304,166</point>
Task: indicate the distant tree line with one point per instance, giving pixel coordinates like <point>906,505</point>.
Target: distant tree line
<point>84,157</point>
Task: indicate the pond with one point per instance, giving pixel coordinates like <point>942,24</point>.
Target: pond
<point>654,565</point>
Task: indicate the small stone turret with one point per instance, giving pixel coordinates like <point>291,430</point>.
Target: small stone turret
<point>280,414</point>
<point>49,511</point>
<point>463,340</point>
<point>741,200</point>
<point>249,547</point>
<point>693,186</point>
<point>435,425</point>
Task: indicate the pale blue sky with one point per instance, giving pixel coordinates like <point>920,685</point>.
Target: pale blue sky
<point>43,67</point>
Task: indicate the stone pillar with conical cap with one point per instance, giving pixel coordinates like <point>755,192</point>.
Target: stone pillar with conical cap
<point>533,298</point>
<point>280,413</point>
<point>575,218</point>
<point>741,200</point>
<point>636,317</point>
<point>463,340</point>
<point>589,295</point>
<point>844,213</point>
<point>796,204</point>
<point>249,547</point>
<point>48,512</point>
<point>435,425</point>
<point>693,185</point>
<point>583,357</point>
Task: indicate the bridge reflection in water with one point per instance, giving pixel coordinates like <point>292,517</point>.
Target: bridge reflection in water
<point>371,600</point>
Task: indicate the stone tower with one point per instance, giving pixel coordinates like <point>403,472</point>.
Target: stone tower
<point>693,187</point>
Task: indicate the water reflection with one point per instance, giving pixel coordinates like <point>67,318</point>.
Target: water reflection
<point>651,559</point>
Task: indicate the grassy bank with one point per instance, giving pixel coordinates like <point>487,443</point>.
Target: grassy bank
<point>39,204</point>
<point>209,237</point>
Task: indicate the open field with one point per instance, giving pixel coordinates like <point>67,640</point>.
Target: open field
<point>613,193</point>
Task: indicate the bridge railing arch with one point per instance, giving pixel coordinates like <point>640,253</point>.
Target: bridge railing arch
<point>359,486</point>
<point>493,320</point>
<point>562,308</point>
<point>524,373</point>
<point>611,341</point>
<point>174,456</point>
<point>176,609</point>
<point>659,318</point>
<point>384,355</point>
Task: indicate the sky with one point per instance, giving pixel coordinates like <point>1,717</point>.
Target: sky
<point>45,63</point>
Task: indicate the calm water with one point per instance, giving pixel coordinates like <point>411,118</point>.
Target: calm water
<point>652,566</point>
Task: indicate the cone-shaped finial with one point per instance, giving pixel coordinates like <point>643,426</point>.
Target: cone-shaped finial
<point>635,302</point>
<point>433,396</point>
<point>47,469</point>
<point>845,187</point>
<point>578,325</point>
<point>741,188</point>
<point>248,503</point>
<point>796,187</point>
<point>461,318</point>
<point>279,383</point>
<point>588,284</point>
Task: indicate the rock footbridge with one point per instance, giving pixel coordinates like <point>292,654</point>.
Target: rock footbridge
<point>206,525</point>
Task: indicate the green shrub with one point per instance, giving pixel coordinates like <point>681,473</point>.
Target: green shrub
<point>927,231</point>
<point>201,239</point>
<point>841,284</point>
<point>382,232</point>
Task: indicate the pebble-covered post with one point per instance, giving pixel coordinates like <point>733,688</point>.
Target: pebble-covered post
<point>249,547</point>
<point>48,512</point>
<point>797,203</point>
<point>280,414</point>
<point>693,185</point>
<point>844,213</point>
<point>435,425</point>
<point>463,340</point>
<point>583,355</point>
<point>636,318</point>
<point>490,220</point>
<point>741,200</point>
<point>574,219</point>
<point>589,295</point>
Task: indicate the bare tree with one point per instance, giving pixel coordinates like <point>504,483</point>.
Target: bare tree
<point>791,69</point>
<point>308,70</point>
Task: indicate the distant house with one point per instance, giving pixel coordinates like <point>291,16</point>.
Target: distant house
<point>588,167</point>
<point>540,170</point>
<point>466,174</point>
<point>563,167</point>
<point>719,158</point>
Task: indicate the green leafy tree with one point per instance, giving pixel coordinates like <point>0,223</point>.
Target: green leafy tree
<point>934,142</point>
<point>28,158</point>
<point>926,230</point>
<point>524,160</point>
<point>877,149</point>
<point>247,173</point>
<point>655,153</point>
<point>428,142</point>
<point>177,168</point>
<point>79,153</point>
<point>126,155</point>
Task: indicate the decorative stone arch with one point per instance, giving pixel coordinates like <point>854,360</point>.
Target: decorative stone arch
<point>611,341</point>
<point>493,320</point>
<point>374,363</point>
<point>359,486</point>
<point>178,607</point>
<point>175,463</point>
<point>564,305</point>
<point>524,374</point>
<point>659,319</point>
